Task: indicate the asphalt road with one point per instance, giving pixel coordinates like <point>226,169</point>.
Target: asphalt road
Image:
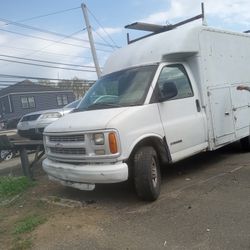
<point>204,204</point>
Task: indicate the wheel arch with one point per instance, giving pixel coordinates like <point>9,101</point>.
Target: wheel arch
<point>158,143</point>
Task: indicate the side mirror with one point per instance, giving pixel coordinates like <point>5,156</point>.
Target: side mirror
<point>168,91</point>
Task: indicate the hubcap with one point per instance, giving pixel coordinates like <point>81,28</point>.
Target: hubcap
<point>6,155</point>
<point>154,172</point>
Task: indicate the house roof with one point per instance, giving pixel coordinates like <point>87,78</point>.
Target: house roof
<point>27,86</point>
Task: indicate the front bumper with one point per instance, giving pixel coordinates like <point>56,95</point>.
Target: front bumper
<point>99,173</point>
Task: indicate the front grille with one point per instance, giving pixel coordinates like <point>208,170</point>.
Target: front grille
<point>30,133</point>
<point>30,118</point>
<point>67,138</point>
<point>68,151</point>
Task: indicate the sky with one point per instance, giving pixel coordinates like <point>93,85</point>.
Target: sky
<point>69,48</point>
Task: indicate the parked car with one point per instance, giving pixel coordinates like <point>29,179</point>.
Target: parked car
<point>32,125</point>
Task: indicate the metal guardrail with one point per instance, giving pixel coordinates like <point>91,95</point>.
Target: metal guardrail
<point>22,145</point>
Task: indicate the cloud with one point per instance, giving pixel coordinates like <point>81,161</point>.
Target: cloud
<point>228,11</point>
<point>104,35</point>
<point>109,30</point>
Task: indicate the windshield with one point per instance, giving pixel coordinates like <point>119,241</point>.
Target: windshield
<point>72,104</point>
<point>120,89</point>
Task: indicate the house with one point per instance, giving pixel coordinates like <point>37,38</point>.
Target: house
<point>26,96</point>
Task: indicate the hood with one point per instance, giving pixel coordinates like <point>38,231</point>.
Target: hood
<point>86,120</point>
<point>40,112</point>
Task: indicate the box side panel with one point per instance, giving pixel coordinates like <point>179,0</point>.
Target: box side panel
<point>224,65</point>
<point>225,57</point>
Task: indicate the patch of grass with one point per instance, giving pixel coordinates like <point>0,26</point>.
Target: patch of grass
<point>11,186</point>
<point>28,224</point>
<point>22,244</point>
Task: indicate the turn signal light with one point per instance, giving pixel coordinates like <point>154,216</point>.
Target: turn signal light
<point>112,143</point>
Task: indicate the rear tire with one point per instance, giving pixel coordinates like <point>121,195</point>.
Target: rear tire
<point>245,143</point>
<point>147,175</point>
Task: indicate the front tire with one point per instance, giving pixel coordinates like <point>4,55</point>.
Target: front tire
<point>147,175</point>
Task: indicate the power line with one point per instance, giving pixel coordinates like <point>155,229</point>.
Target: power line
<point>49,32</point>
<point>102,28</point>
<point>51,40</point>
<point>46,66</point>
<point>49,14</point>
<point>46,52</point>
<point>48,45</point>
<point>44,61</point>
<point>101,37</point>
<point>36,51</point>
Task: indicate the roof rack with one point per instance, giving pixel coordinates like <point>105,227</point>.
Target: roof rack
<point>156,29</point>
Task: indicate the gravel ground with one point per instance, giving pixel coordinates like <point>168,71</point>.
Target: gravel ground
<point>204,204</point>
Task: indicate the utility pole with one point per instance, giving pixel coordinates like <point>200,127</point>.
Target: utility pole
<point>91,40</point>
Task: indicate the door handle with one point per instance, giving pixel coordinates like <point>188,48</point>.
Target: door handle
<point>198,106</point>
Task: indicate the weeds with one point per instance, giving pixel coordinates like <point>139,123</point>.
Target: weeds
<point>11,186</point>
<point>22,244</point>
<point>28,224</point>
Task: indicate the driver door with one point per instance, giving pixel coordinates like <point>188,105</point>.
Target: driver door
<point>182,117</point>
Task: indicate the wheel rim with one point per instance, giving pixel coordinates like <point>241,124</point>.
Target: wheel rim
<point>8,153</point>
<point>154,172</point>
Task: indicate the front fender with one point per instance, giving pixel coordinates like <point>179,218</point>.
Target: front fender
<point>157,141</point>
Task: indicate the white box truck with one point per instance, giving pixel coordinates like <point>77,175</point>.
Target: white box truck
<point>160,99</point>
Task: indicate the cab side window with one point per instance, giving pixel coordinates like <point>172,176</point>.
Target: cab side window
<point>174,76</point>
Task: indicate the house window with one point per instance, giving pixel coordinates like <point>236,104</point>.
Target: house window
<point>65,100</point>
<point>24,101</point>
<point>28,102</point>
<point>31,102</point>
<point>59,100</point>
<point>62,100</point>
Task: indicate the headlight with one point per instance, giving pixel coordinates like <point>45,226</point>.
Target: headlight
<point>98,139</point>
<point>51,115</point>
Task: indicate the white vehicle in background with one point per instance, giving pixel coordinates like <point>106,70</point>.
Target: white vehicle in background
<point>161,99</point>
<point>33,124</point>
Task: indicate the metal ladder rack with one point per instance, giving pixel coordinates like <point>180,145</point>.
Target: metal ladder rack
<point>156,29</point>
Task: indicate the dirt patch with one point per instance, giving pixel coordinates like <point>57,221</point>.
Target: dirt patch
<point>66,220</point>
<point>68,227</point>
